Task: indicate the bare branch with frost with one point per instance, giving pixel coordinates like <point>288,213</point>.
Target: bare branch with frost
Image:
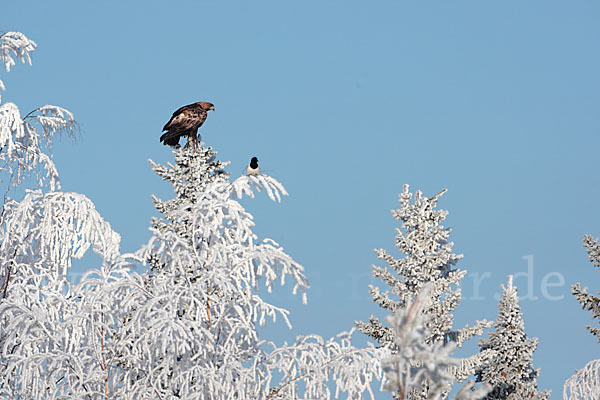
<point>584,384</point>
<point>14,45</point>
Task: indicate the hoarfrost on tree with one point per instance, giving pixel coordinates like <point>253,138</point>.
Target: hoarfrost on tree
<point>25,141</point>
<point>587,300</point>
<point>52,329</point>
<point>584,384</point>
<point>508,359</point>
<point>14,44</point>
<point>185,328</point>
<point>48,341</point>
<point>416,362</point>
<point>190,325</point>
<point>428,259</point>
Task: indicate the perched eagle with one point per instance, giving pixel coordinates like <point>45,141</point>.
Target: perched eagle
<point>185,122</point>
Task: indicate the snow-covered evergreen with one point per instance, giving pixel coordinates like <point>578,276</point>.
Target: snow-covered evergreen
<point>508,364</point>
<point>428,258</point>
<point>415,362</point>
<point>190,325</point>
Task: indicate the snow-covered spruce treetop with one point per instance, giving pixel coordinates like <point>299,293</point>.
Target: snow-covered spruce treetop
<point>417,363</point>
<point>585,383</point>
<point>24,141</point>
<point>189,183</point>
<point>428,257</point>
<point>190,324</point>
<point>508,364</point>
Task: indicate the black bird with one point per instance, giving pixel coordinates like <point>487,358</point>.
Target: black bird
<point>185,122</point>
<point>253,168</point>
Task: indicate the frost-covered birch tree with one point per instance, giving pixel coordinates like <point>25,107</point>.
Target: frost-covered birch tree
<point>428,258</point>
<point>50,344</point>
<point>508,364</point>
<point>585,383</point>
<point>25,141</point>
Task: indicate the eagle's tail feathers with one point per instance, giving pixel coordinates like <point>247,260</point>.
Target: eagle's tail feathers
<point>170,138</point>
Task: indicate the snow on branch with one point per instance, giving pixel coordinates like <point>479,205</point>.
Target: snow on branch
<point>587,300</point>
<point>244,184</point>
<point>584,384</point>
<point>14,45</point>
<point>48,230</point>
<point>54,333</point>
<point>191,326</point>
<point>427,258</point>
<point>218,222</point>
<point>24,140</point>
<point>219,245</point>
<point>312,361</point>
<point>52,120</point>
<point>593,249</point>
<point>416,362</point>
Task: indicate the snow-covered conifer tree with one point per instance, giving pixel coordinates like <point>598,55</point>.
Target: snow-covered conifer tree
<point>585,383</point>
<point>416,362</point>
<point>190,325</point>
<point>428,258</point>
<point>508,364</point>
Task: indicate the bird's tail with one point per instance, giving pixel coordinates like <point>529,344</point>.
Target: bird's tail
<point>171,138</point>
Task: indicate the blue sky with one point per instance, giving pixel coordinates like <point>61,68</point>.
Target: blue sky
<point>344,102</point>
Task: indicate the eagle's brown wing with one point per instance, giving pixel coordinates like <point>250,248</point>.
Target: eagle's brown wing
<point>184,122</point>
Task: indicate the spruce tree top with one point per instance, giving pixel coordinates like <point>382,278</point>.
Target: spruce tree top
<point>508,364</point>
<point>427,258</point>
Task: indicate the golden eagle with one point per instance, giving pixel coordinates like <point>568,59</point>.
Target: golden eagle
<point>185,122</point>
